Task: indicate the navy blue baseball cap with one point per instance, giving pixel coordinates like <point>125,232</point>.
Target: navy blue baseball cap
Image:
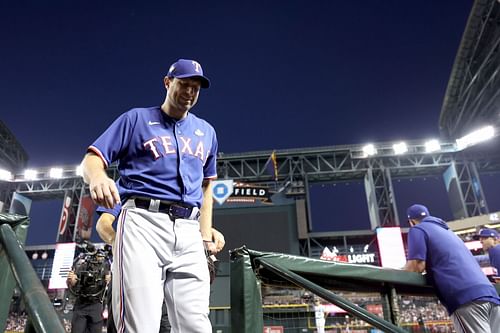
<point>417,212</point>
<point>184,68</point>
<point>488,233</point>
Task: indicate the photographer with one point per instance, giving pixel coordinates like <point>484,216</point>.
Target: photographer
<point>87,281</point>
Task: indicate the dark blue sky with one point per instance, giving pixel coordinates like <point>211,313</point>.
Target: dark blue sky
<point>285,74</point>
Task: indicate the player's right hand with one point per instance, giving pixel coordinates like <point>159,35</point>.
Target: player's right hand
<point>103,191</point>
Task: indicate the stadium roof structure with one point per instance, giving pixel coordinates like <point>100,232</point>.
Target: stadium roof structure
<point>12,155</point>
<point>473,94</point>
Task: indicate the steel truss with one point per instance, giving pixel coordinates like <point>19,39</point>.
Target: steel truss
<point>12,154</point>
<point>298,168</point>
<point>473,95</point>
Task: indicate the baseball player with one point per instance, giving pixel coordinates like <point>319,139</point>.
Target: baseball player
<point>319,316</point>
<point>461,286</point>
<point>489,241</point>
<point>166,159</point>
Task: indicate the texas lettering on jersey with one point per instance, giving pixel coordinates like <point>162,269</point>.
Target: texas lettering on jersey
<point>163,146</point>
<point>159,156</point>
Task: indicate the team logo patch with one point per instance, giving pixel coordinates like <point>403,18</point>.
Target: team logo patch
<point>198,132</point>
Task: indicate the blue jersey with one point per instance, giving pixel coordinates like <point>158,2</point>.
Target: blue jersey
<point>160,157</point>
<point>494,254</point>
<point>450,266</point>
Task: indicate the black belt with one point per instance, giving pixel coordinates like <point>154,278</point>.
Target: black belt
<point>173,209</point>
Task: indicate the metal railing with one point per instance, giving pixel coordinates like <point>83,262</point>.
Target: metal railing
<point>42,316</point>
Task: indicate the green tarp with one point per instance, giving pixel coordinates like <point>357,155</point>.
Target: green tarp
<point>20,225</point>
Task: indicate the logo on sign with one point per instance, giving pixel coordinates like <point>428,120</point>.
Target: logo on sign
<point>221,190</point>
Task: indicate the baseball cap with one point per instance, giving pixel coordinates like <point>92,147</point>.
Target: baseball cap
<point>417,211</point>
<point>184,68</point>
<point>488,233</point>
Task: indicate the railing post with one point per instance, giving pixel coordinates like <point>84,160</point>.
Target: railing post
<point>7,282</point>
<point>40,310</point>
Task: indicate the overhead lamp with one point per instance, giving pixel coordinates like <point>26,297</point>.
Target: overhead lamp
<point>5,175</point>
<point>369,150</point>
<point>475,137</point>
<point>432,146</point>
<point>30,174</point>
<point>400,148</point>
<point>56,173</point>
<point>79,171</point>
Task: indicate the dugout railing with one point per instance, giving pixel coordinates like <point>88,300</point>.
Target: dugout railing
<point>251,270</point>
<point>15,267</point>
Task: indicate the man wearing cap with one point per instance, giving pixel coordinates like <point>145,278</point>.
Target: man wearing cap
<point>489,241</point>
<point>461,286</point>
<point>166,159</point>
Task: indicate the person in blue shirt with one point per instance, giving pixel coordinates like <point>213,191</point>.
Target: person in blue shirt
<point>461,286</point>
<point>489,241</point>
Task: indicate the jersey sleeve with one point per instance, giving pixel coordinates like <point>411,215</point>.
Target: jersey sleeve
<point>210,167</point>
<point>115,211</point>
<point>114,141</point>
<point>417,246</point>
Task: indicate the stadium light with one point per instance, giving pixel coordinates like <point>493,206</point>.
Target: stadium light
<point>475,137</point>
<point>400,148</point>
<point>79,171</point>
<point>5,175</point>
<point>56,173</point>
<point>432,146</point>
<point>369,150</point>
<point>30,174</point>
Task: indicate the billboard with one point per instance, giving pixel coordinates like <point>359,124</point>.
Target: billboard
<point>20,204</point>
<point>64,220</point>
<point>391,248</point>
<point>455,195</point>
<point>85,221</point>
<point>63,261</point>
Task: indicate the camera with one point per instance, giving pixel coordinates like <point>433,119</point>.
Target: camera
<point>91,267</point>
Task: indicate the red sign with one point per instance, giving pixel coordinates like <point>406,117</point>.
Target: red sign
<point>86,210</point>
<point>64,214</point>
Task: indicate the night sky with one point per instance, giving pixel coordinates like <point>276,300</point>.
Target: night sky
<point>285,74</point>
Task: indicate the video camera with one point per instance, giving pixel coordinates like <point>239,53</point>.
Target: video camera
<point>91,267</point>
